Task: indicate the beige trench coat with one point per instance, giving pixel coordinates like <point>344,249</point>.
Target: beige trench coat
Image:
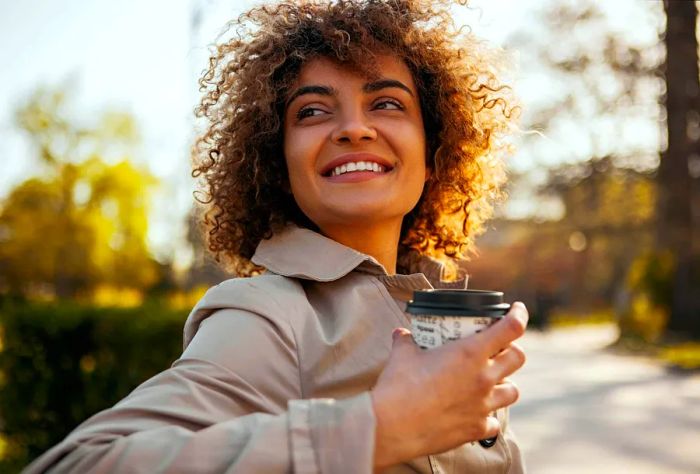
<point>274,377</point>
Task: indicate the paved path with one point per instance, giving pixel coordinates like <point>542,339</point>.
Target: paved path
<point>585,410</point>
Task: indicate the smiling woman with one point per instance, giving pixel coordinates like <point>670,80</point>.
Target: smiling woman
<point>448,79</point>
<point>352,151</point>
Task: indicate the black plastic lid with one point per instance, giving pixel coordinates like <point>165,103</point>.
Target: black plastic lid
<point>458,302</point>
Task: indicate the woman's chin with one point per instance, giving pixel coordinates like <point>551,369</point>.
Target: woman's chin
<point>361,213</point>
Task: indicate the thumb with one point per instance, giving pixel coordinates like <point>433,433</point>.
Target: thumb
<point>401,336</point>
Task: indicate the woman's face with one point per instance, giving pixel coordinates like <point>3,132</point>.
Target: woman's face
<point>355,148</point>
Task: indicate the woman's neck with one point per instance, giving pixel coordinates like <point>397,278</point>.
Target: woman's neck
<point>380,241</point>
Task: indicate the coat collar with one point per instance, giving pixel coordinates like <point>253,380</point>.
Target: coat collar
<point>302,253</point>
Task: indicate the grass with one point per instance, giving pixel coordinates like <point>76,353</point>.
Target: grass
<point>685,355</point>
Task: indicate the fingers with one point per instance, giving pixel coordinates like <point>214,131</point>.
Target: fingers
<point>503,395</point>
<point>506,362</point>
<point>401,339</point>
<point>493,427</point>
<point>399,333</point>
<point>503,331</point>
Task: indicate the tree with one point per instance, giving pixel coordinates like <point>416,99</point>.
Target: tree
<point>83,223</point>
<point>612,81</point>
<point>600,84</point>
<point>609,217</point>
<point>594,82</point>
<point>675,227</point>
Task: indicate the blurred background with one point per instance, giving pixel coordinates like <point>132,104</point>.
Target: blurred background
<point>100,259</point>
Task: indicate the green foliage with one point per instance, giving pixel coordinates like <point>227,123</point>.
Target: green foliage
<point>83,223</point>
<point>684,356</point>
<point>600,316</point>
<point>650,286</point>
<point>651,274</point>
<point>599,194</point>
<point>60,138</point>
<point>61,363</point>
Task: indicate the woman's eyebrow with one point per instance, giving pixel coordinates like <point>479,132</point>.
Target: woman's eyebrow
<point>315,89</point>
<point>383,84</point>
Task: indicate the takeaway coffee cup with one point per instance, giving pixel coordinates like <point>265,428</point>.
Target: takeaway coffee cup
<point>439,316</point>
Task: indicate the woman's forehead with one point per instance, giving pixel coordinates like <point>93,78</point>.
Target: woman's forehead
<point>322,68</point>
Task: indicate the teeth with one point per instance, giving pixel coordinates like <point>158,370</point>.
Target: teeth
<point>359,166</point>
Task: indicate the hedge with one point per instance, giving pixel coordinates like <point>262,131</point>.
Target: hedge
<point>61,363</point>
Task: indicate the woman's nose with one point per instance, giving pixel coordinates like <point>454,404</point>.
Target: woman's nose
<point>354,128</point>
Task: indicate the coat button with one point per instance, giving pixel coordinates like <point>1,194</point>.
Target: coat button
<point>489,442</point>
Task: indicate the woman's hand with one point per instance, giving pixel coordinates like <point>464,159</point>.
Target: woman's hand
<point>429,401</point>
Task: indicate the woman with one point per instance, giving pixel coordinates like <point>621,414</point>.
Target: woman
<point>350,155</point>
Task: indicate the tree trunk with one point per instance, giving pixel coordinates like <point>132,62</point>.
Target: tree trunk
<point>675,223</point>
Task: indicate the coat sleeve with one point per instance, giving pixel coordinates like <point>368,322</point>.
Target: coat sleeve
<point>517,462</point>
<point>231,403</point>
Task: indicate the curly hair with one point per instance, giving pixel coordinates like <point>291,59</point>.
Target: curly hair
<point>239,160</point>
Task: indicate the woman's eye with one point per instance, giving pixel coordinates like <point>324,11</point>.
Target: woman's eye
<point>388,105</point>
<point>308,112</point>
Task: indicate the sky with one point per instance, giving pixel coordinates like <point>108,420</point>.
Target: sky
<point>144,57</point>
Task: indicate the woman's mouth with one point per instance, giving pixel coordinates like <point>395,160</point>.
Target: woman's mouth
<point>357,167</point>
<point>357,171</point>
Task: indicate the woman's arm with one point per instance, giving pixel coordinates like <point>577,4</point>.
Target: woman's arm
<point>232,403</point>
<point>223,407</point>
